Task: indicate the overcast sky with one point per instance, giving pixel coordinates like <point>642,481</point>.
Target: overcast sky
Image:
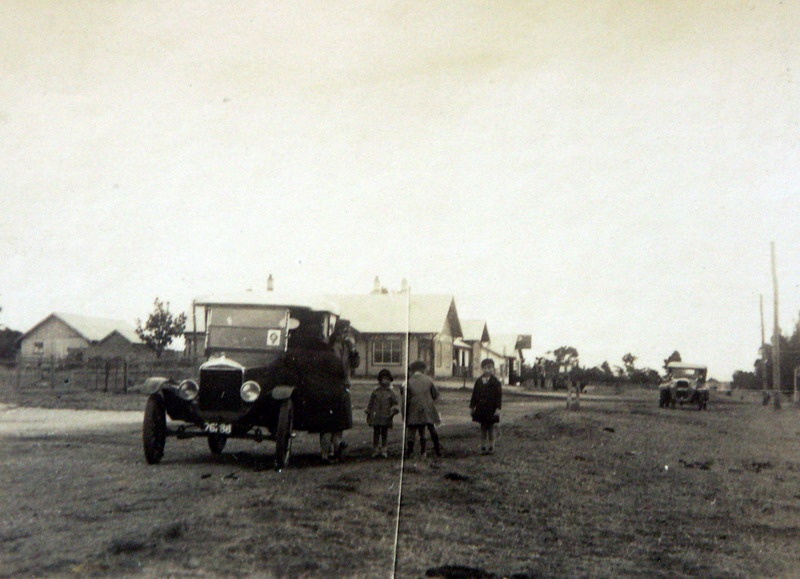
<point>605,175</point>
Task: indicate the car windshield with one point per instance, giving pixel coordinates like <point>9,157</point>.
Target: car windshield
<point>685,373</point>
<point>247,328</point>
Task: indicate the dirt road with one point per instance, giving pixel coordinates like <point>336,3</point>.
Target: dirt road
<point>619,488</point>
<point>26,421</point>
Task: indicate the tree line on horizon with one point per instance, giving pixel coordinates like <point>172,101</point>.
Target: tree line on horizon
<point>761,375</point>
<point>562,366</point>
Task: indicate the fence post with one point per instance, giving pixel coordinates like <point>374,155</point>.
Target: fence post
<point>107,372</point>
<point>125,376</point>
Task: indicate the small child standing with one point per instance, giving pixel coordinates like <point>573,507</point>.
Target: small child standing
<point>382,407</point>
<point>487,398</point>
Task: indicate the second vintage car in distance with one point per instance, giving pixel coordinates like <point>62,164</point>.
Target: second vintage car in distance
<point>684,384</point>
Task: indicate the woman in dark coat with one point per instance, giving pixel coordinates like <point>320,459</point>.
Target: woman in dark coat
<point>485,404</point>
<point>323,389</point>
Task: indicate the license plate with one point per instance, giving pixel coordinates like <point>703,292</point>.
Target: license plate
<point>218,428</point>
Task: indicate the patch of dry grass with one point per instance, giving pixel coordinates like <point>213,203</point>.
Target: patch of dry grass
<point>622,489</point>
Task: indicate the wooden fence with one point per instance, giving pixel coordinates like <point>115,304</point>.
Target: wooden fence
<point>106,375</point>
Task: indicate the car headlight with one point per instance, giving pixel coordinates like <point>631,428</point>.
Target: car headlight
<point>250,391</point>
<point>188,390</point>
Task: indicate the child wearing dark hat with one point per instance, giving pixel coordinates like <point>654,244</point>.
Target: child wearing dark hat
<point>487,398</point>
<point>382,407</point>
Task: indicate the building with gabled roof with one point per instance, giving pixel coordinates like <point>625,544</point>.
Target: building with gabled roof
<point>61,335</point>
<point>476,336</point>
<point>388,324</point>
<point>501,348</point>
<point>475,331</point>
<point>506,345</point>
<point>120,344</point>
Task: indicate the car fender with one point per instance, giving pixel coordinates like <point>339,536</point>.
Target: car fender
<point>155,384</point>
<point>177,408</point>
<point>282,392</point>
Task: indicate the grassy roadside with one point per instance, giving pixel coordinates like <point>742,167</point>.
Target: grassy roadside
<point>619,488</point>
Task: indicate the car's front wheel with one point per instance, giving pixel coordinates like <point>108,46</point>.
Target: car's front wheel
<point>216,443</point>
<point>154,429</point>
<point>283,434</point>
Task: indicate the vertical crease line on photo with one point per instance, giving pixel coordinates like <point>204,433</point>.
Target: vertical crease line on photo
<point>403,438</point>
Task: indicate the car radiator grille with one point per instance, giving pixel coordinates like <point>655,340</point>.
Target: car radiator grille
<point>219,390</point>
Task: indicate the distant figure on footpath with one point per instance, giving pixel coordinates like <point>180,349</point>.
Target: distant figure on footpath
<point>382,407</point>
<point>485,404</point>
<point>420,410</point>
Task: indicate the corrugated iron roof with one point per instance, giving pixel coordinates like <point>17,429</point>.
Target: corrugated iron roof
<point>504,344</point>
<point>459,343</point>
<point>95,329</point>
<point>398,313</point>
<point>474,330</point>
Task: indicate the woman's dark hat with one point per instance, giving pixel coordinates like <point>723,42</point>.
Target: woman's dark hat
<point>487,362</point>
<point>385,373</point>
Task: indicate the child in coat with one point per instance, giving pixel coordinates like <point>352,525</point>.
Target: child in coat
<point>421,414</point>
<point>382,407</point>
<point>487,398</point>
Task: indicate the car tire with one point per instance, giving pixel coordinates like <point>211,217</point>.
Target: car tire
<point>283,434</point>
<point>154,429</point>
<point>216,443</point>
<point>663,399</point>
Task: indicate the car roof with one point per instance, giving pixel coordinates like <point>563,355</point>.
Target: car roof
<point>686,366</point>
<point>269,299</point>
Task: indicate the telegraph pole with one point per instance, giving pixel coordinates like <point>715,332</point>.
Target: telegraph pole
<point>763,351</point>
<point>796,396</point>
<point>776,335</point>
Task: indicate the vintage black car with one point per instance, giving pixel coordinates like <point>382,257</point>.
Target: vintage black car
<point>274,365</point>
<point>684,384</point>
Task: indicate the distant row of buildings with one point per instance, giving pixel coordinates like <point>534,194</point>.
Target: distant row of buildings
<point>392,329</point>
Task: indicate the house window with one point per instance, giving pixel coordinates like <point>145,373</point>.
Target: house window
<point>38,347</point>
<point>387,352</point>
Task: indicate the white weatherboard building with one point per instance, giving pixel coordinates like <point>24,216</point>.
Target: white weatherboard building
<point>62,335</point>
<point>384,320</point>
